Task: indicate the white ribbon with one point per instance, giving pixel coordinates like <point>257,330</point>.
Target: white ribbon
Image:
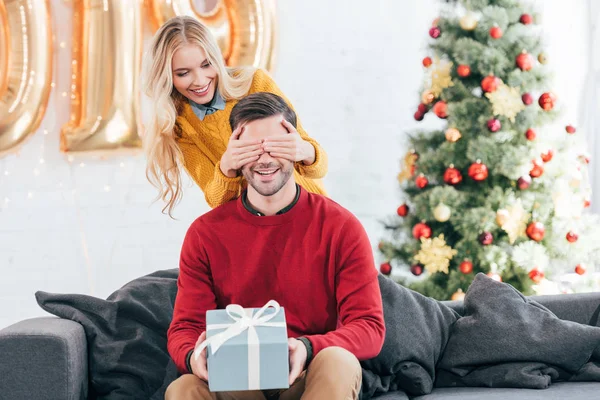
<point>243,320</point>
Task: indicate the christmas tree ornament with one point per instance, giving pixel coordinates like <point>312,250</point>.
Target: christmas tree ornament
<point>463,71</point>
<point>452,176</point>
<point>408,167</point>
<point>442,212</point>
<point>385,268</point>
<point>403,210</point>
<point>478,171</point>
<point>501,216</point>
<point>546,101</point>
<point>486,238</point>
<point>583,158</point>
<point>435,254</point>
<point>427,61</point>
<point>421,230</point>
<point>495,276</point>
<point>490,83</point>
<point>526,19</point>
<point>586,203</point>
<point>527,99</point>
<point>435,22</point>
<point>524,61</point>
<point>496,32</point>
<point>524,182</point>
<point>421,181</point>
<point>537,169</point>
<point>452,135</point>
<point>535,231</point>
<point>441,109</point>
<point>427,97</point>
<point>466,267</point>
<point>530,135</point>
<point>542,58</point>
<point>468,22</point>
<point>506,101</point>
<point>536,275</point>
<point>419,116</point>
<point>514,223</point>
<point>580,269</point>
<point>572,237</point>
<point>459,295</point>
<point>416,269</point>
<point>570,129</point>
<point>547,155</point>
<point>422,108</point>
<point>435,32</point>
<point>494,125</point>
<point>439,76</point>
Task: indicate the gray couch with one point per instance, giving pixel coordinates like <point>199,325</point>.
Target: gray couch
<point>46,358</point>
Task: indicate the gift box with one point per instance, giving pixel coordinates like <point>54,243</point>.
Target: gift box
<point>247,348</point>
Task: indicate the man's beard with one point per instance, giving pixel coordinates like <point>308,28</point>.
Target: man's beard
<point>268,188</point>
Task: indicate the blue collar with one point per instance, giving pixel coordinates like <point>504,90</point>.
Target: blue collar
<point>202,110</point>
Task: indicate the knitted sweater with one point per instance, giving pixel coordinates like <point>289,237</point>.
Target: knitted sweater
<point>204,142</point>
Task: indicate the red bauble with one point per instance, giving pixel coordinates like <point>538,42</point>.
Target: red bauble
<point>526,19</point>
<point>422,108</point>
<point>463,71</point>
<point>486,238</point>
<point>525,61</point>
<point>490,83</point>
<point>537,170</point>
<point>421,230</point>
<point>535,231</point>
<point>452,176</point>
<point>494,125</point>
<point>403,210</point>
<point>586,203</point>
<point>524,182</point>
<point>419,116</point>
<point>441,109</point>
<point>546,101</point>
<point>572,237</point>
<point>496,32</point>
<point>570,129</point>
<point>466,267</point>
<point>580,269</point>
<point>478,171</point>
<point>427,62</point>
<point>416,269</point>
<point>385,268</point>
<point>530,134</point>
<point>435,32</point>
<point>527,99</point>
<point>421,181</point>
<point>536,275</point>
<point>547,156</point>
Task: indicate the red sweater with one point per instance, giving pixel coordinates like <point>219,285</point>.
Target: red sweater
<point>315,260</point>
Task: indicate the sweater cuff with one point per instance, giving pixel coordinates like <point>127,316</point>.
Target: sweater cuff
<point>309,350</point>
<point>188,359</point>
<point>316,170</point>
<point>231,184</point>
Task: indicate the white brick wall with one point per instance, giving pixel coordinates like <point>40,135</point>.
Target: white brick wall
<point>351,68</point>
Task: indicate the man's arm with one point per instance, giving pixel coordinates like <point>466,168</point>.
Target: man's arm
<point>359,306</point>
<point>195,296</point>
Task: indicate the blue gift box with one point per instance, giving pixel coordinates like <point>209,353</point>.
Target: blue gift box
<point>249,351</point>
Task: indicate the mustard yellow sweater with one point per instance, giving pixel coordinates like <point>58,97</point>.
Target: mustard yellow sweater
<point>204,142</point>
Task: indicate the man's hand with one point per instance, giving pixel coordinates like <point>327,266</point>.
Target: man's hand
<point>297,358</point>
<point>199,366</point>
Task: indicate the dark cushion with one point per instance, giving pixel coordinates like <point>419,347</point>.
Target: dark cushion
<point>126,335</point>
<point>417,329</point>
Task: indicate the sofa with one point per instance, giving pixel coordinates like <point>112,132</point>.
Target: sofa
<point>48,358</point>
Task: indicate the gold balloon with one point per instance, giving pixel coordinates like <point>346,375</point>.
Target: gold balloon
<point>442,212</point>
<point>107,51</point>
<point>245,29</point>
<point>25,69</point>
<point>452,135</point>
<point>502,216</point>
<point>427,97</point>
<point>468,22</point>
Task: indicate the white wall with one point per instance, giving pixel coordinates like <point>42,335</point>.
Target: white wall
<point>351,68</point>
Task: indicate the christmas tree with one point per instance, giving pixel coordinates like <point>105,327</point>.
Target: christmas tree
<point>498,189</point>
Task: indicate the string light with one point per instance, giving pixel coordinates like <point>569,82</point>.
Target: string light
<point>6,173</point>
<point>36,172</point>
<point>107,188</point>
<point>45,131</point>
<point>29,195</point>
<point>41,161</point>
<point>122,165</point>
<point>82,165</point>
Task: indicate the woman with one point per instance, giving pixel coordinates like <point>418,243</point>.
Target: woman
<point>192,93</point>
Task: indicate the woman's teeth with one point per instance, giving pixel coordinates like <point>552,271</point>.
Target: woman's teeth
<point>201,91</point>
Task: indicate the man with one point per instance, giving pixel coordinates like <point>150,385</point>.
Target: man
<point>278,241</point>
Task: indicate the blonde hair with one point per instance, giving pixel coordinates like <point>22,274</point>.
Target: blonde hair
<point>164,156</point>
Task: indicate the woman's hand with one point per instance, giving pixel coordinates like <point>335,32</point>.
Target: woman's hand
<point>291,146</point>
<point>239,152</point>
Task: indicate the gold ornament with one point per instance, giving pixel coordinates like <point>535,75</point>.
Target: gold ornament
<point>439,77</point>
<point>468,22</point>
<point>515,222</point>
<point>501,216</point>
<point>427,97</point>
<point>452,135</point>
<point>408,167</point>
<point>435,255</point>
<point>506,101</point>
<point>442,212</point>
<point>542,58</point>
<point>459,295</point>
